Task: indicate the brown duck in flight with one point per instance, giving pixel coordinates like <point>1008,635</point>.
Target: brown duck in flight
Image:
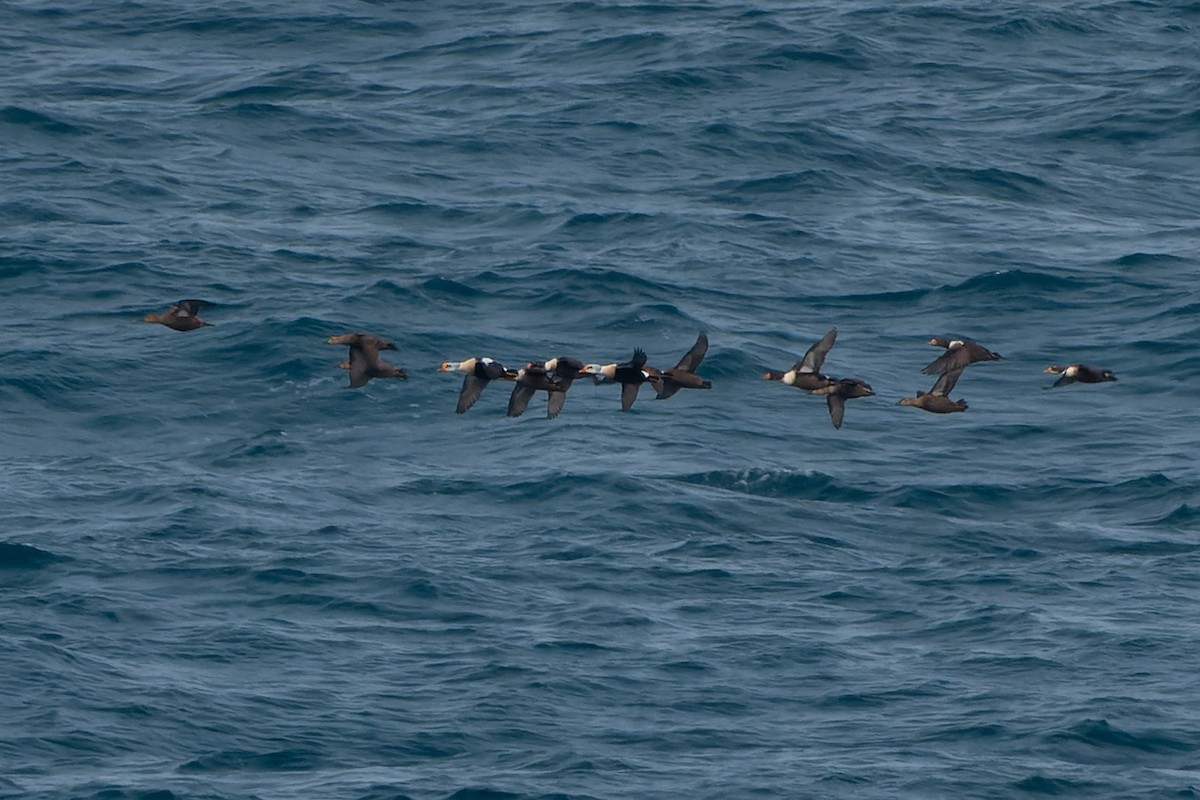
<point>937,399</point>
<point>182,316</point>
<point>959,353</point>
<point>683,375</point>
<point>532,378</point>
<point>841,390</point>
<point>365,362</point>
<point>806,373</point>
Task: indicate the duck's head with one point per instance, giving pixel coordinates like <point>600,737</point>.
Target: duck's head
<point>853,387</point>
<point>601,373</point>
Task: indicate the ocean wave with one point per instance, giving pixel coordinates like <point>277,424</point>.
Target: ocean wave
<point>259,110</point>
<point>267,445</point>
<point>597,281</point>
<point>22,212</point>
<point>1151,259</point>
<point>987,182</point>
<point>1017,280</point>
<point>43,123</point>
<point>401,209</point>
<point>1100,497</point>
<point>784,484</point>
<point>447,289</point>
<point>751,191</point>
<point>1183,516</point>
<point>24,556</point>
<point>644,43</point>
<point>1107,740</point>
<point>287,760</point>
<point>843,51</point>
<point>594,220</point>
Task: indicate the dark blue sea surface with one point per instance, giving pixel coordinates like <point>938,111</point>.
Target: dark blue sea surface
<point>225,574</point>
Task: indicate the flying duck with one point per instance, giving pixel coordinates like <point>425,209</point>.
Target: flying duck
<point>181,316</point>
<point>479,371</point>
<point>938,399</point>
<point>683,375</point>
<point>630,374</point>
<point>564,370</point>
<point>959,353</point>
<point>1079,372</point>
<point>806,373</point>
<point>841,390</point>
<point>365,362</point>
<point>553,376</point>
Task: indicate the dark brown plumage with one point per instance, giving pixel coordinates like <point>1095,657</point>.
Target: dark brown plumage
<point>839,392</point>
<point>683,375</point>
<point>564,370</point>
<point>532,378</point>
<point>182,316</point>
<point>959,353</point>
<point>937,399</point>
<point>365,362</point>
<point>806,373</point>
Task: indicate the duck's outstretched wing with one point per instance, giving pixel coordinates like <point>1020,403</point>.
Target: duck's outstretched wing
<point>518,401</point>
<point>636,362</point>
<point>554,405</point>
<point>566,370</point>
<point>814,357</point>
<point>691,360</point>
<point>837,408</point>
<point>471,389</point>
<point>189,308</point>
<point>666,387</point>
<point>360,366</point>
<point>629,393</point>
<point>945,383</point>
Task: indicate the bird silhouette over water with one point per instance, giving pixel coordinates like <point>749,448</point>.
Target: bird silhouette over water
<point>839,392</point>
<point>365,362</point>
<point>937,399</point>
<point>959,353</point>
<point>630,374</point>
<point>182,316</point>
<point>479,372</point>
<point>683,375</point>
<point>1079,372</point>
<point>532,378</point>
<point>806,373</point>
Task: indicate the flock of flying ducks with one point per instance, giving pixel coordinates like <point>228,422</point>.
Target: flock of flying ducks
<point>555,376</point>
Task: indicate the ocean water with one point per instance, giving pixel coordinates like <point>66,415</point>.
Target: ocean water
<point>225,574</point>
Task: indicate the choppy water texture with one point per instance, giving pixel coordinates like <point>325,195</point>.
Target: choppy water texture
<point>227,575</point>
